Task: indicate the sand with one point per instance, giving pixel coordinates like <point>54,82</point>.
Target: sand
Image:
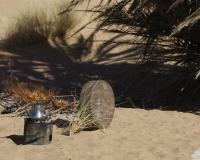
<point>134,134</point>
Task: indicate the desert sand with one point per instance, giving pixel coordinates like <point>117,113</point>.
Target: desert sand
<point>134,134</point>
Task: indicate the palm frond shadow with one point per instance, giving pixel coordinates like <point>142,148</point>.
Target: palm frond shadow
<point>144,81</point>
<point>80,49</point>
<point>163,72</point>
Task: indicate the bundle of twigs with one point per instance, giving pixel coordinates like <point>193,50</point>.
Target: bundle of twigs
<point>55,105</point>
<point>22,96</point>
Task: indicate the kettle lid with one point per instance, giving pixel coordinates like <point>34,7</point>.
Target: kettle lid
<point>38,105</point>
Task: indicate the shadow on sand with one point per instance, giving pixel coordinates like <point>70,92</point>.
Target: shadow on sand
<point>17,139</point>
<point>69,65</point>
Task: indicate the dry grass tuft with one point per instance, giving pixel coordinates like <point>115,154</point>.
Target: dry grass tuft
<point>37,23</point>
<point>83,119</point>
<point>25,92</point>
<point>95,110</point>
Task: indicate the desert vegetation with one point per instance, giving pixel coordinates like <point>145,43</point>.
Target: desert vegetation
<point>83,120</point>
<point>95,110</point>
<point>169,31</point>
<point>37,23</point>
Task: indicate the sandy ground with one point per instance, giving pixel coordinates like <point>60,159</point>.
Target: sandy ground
<point>134,134</point>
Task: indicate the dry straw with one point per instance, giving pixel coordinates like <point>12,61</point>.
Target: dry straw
<point>90,115</point>
<point>84,118</point>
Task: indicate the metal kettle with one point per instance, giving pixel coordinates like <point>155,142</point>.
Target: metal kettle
<point>38,112</point>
